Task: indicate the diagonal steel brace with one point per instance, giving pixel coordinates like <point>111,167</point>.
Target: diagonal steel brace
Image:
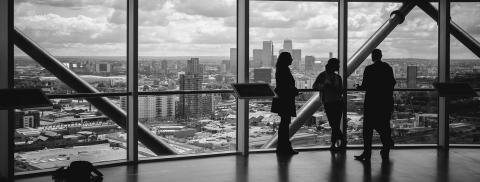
<point>103,104</point>
<point>461,35</point>
<point>357,58</point>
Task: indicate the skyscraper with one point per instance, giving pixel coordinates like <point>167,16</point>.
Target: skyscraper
<point>297,58</point>
<point>193,66</point>
<point>309,63</point>
<point>164,66</point>
<point>411,76</point>
<point>257,58</point>
<point>330,55</point>
<point>225,66</point>
<point>152,107</point>
<point>296,53</point>
<point>189,104</point>
<point>267,57</point>
<point>233,61</point>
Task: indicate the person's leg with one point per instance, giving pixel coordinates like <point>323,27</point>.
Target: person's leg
<point>367,138</point>
<point>282,134</point>
<point>338,121</point>
<point>283,143</point>
<point>330,111</point>
<point>385,135</point>
<point>335,118</point>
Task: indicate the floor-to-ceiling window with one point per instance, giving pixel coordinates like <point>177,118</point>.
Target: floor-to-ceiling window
<point>411,50</point>
<point>88,38</point>
<point>187,57</point>
<point>464,113</point>
<point>308,31</point>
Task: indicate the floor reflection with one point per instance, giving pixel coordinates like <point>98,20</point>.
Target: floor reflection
<point>384,175</point>
<point>283,162</point>
<point>337,167</point>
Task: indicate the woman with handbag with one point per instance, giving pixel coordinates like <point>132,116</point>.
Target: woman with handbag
<point>284,103</point>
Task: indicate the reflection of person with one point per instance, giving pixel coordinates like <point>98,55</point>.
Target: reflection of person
<point>378,82</point>
<point>329,84</point>
<point>284,104</point>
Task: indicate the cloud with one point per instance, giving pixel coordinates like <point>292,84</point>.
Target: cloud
<point>53,28</point>
<point>207,8</point>
<point>208,27</point>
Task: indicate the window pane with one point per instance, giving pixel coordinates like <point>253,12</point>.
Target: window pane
<point>411,48</point>
<point>183,42</point>
<point>465,68</point>
<point>86,37</point>
<point>308,31</point>
<point>414,119</point>
<point>72,130</point>
<point>190,123</point>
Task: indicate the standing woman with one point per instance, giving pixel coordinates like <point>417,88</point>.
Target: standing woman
<point>284,104</point>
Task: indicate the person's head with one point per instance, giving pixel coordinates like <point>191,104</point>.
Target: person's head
<point>376,55</point>
<point>284,60</point>
<point>332,65</point>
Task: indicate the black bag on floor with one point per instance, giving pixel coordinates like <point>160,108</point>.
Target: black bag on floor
<point>78,171</point>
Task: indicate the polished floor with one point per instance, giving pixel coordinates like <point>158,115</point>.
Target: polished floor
<point>423,165</point>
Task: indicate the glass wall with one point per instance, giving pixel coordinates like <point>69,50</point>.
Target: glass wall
<point>465,68</point>
<point>213,130</point>
<point>191,45</point>
<point>89,39</point>
<point>184,46</point>
<point>73,129</point>
<point>308,31</point>
<point>414,119</point>
<point>411,48</point>
<point>86,37</point>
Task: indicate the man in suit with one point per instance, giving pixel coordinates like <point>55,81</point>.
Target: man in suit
<point>378,82</point>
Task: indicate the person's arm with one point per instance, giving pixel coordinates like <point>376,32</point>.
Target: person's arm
<point>365,80</point>
<point>340,84</point>
<point>392,78</point>
<point>319,83</point>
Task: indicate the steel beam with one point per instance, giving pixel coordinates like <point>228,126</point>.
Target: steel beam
<point>443,70</point>
<point>6,82</point>
<point>357,58</point>
<point>342,57</point>
<point>242,74</point>
<point>461,35</point>
<point>132,80</point>
<point>103,104</point>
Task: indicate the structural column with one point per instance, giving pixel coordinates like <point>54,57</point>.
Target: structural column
<point>6,82</point>
<point>342,55</point>
<point>132,80</point>
<point>242,74</point>
<point>443,70</point>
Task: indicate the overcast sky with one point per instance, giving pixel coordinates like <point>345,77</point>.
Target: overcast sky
<point>207,27</point>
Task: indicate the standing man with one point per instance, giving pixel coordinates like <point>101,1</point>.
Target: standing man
<point>378,82</point>
<point>329,84</point>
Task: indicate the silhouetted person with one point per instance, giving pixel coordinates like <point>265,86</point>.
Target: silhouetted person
<point>329,84</point>
<point>378,82</point>
<point>284,104</point>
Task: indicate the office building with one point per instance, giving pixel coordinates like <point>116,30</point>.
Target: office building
<point>411,76</point>
<point>27,119</point>
<point>309,64</point>
<point>267,54</point>
<point>257,58</point>
<point>233,61</point>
